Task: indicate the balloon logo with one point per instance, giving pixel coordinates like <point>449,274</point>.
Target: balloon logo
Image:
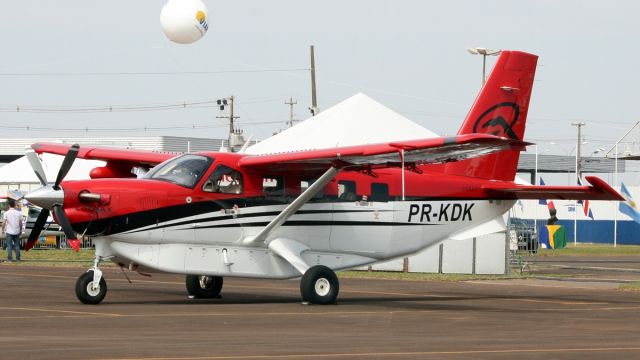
<point>184,21</point>
<point>202,19</point>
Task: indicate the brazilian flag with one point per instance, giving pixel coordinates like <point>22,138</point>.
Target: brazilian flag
<point>557,236</point>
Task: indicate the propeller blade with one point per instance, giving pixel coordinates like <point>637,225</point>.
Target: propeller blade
<point>37,229</point>
<point>64,222</point>
<point>66,164</point>
<point>36,165</point>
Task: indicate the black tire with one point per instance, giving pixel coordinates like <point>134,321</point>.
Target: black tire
<point>204,287</point>
<point>84,292</point>
<point>319,285</point>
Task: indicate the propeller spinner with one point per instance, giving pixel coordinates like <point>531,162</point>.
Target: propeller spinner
<point>51,198</point>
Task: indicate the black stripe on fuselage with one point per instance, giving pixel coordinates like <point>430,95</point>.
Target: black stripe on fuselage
<point>312,223</point>
<point>139,220</point>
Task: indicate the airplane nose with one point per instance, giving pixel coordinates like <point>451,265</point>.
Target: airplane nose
<point>46,197</point>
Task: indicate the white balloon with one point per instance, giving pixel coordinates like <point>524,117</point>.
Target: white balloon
<point>184,21</point>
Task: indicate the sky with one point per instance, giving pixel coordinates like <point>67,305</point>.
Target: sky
<point>62,60</point>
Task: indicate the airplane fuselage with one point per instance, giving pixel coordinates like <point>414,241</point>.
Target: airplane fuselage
<point>357,219</point>
<point>339,235</point>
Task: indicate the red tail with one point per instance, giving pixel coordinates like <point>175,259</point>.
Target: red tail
<point>501,110</point>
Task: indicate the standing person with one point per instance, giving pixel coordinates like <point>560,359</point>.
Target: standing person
<point>12,227</point>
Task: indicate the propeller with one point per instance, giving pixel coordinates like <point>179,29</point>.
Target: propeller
<point>51,198</point>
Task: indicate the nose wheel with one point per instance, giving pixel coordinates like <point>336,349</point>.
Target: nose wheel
<point>89,290</point>
<point>319,285</point>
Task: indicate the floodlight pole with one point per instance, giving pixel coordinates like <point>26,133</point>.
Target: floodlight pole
<point>579,124</point>
<point>314,100</point>
<point>615,182</point>
<point>484,52</point>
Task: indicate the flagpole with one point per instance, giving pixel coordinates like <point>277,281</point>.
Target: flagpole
<point>575,223</point>
<point>616,203</point>
<point>535,182</point>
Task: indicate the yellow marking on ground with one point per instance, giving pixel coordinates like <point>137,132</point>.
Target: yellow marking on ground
<point>59,311</point>
<point>391,355</point>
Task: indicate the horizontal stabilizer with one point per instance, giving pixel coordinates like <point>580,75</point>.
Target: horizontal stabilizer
<point>599,190</point>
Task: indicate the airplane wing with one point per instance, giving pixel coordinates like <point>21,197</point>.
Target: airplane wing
<point>599,190</point>
<point>121,156</point>
<point>418,152</point>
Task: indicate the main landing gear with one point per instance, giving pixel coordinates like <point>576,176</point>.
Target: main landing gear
<point>90,286</point>
<point>319,285</point>
<point>204,287</point>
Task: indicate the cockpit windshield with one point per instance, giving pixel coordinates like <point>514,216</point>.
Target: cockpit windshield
<point>185,170</point>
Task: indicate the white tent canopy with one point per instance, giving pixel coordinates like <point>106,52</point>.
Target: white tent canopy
<point>357,120</point>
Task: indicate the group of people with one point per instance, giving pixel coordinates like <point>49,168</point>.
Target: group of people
<point>12,227</point>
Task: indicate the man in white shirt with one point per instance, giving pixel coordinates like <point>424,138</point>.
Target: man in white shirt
<point>12,227</point>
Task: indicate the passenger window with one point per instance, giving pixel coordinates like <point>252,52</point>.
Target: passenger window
<point>347,190</point>
<point>273,186</point>
<point>379,192</point>
<point>224,180</point>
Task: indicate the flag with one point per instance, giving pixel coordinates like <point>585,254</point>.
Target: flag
<point>629,206</point>
<point>542,201</point>
<point>585,204</point>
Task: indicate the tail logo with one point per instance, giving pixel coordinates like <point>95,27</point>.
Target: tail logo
<point>494,120</point>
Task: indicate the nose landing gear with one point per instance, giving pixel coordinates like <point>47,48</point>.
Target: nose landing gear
<point>91,288</point>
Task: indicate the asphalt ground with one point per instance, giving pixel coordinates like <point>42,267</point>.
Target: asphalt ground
<point>543,318</point>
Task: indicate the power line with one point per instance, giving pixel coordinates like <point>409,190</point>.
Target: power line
<point>119,108</point>
<point>127,129</point>
<point>142,73</point>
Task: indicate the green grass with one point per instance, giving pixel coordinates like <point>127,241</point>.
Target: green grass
<point>592,250</point>
<point>635,286</point>
<point>54,257</point>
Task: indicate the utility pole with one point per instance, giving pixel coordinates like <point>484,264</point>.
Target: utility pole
<point>291,102</point>
<point>314,101</point>
<point>223,103</point>
<point>234,136</point>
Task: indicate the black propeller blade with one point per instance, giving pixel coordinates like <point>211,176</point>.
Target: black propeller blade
<point>66,164</point>
<point>64,222</point>
<point>37,229</point>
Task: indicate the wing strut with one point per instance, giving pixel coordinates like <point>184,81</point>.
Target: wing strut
<point>295,205</point>
<point>402,159</point>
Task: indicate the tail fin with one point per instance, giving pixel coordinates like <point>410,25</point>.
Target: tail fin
<point>501,110</point>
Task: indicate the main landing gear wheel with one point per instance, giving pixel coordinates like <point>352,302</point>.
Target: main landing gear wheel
<point>319,285</point>
<point>205,287</point>
<point>87,293</point>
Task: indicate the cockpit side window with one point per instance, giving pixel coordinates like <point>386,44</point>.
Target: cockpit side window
<point>224,180</point>
<point>185,170</point>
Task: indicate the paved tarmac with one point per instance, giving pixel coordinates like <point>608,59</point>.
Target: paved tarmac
<point>40,318</point>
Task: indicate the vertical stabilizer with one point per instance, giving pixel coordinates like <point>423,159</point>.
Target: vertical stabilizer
<point>501,110</point>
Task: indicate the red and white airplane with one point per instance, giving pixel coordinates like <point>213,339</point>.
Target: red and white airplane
<point>300,214</point>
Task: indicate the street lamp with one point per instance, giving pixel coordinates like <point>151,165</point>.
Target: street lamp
<point>484,52</point>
